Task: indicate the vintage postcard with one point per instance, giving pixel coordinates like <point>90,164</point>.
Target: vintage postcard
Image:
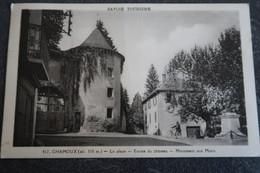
<point>130,80</point>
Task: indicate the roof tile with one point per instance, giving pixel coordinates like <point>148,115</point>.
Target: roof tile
<point>96,39</point>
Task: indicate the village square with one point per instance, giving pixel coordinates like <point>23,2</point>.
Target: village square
<point>92,94</point>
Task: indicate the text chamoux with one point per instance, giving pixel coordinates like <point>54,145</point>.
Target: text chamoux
<point>129,9</point>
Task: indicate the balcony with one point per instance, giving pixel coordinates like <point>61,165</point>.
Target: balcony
<point>34,41</point>
<point>36,56</point>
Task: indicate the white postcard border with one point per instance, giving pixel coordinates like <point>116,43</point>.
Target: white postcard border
<point>252,149</point>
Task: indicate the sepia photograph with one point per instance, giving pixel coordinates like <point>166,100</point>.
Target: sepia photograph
<point>127,76</point>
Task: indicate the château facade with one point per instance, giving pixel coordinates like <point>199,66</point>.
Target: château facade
<point>102,98</point>
<point>96,104</point>
<point>56,92</point>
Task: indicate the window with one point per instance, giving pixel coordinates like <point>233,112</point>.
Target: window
<point>149,104</point>
<point>50,100</point>
<point>154,101</point>
<point>109,112</point>
<point>155,117</point>
<point>42,104</point>
<point>169,97</point>
<point>110,72</point>
<point>150,118</point>
<point>34,41</point>
<point>109,92</point>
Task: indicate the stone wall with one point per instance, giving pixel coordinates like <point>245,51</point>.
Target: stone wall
<point>93,124</point>
<point>96,101</point>
<point>167,117</point>
<point>151,112</point>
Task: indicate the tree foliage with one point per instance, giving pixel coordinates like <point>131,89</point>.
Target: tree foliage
<point>218,70</point>
<point>69,85</point>
<point>125,106</point>
<point>136,116</point>
<point>104,32</point>
<point>79,65</point>
<point>52,23</point>
<point>181,61</point>
<point>152,80</point>
<point>125,109</point>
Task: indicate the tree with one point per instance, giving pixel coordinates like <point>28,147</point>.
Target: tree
<point>152,80</point>
<point>203,63</point>
<point>229,69</point>
<point>125,106</point>
<point>136,113</point>
<point>218,70</point>
<point>181,61</point>
<point>104,32</point>
<point>52,23</point>
<point>125,110</point>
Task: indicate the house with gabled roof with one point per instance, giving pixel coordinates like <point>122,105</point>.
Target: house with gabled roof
<point>159,113</point>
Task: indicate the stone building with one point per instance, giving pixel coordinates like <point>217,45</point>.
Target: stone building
<point>101,98</point>
<point>32,71</point>
<point>96,105</point>
<point>160,116</point>
<point>53,98</point>
<point>43,97</point>
<point>40,99</point>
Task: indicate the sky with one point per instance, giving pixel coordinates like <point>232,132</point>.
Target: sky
<point>146,38</point>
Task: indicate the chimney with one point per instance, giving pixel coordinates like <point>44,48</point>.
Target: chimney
<point>163,78</point>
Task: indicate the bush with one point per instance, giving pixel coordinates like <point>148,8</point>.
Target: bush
<point>109,126</point>
<point>158,132</point>
<point>243,129</point>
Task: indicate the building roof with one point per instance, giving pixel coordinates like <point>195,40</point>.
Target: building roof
<point>96,39</point>
<point>169,86</point>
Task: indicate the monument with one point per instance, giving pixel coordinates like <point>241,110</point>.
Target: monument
<point>230,126</point>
